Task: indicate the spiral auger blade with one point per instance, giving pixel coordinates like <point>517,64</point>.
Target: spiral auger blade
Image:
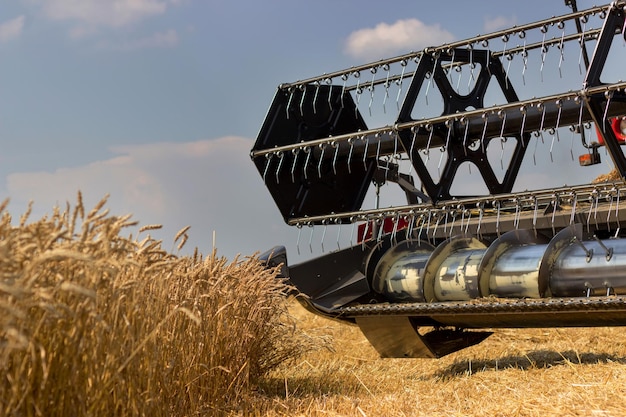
<point>494,108</point>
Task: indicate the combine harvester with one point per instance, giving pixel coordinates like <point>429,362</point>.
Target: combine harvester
<point>467,248</point>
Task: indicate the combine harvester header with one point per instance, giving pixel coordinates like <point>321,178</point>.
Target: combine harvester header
<point>452,127</point>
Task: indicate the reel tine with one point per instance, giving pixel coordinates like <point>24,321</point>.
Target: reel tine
<point>542,107</point>
<point>439,217</point>
<point>522,35</point>
<point>431,77</point>
<point>555,131</point>
<point>552,132</point>
<point>330,94</point>
<point>544,49</point>
<point>453,214</point>
<point>395,153</point>
<point>307,150</point>
<point>296,153</point>
<point>459,69</point>
<point>322,147</point>
<point>268,162</point>
<point>430,212</point>
<point>485,117</point>
<point>338,224</point>
<point>573,212</point>
<point>523,111</point>
<point>344,77</point>
<point>617,214</point>
<point>335,145</point>
<point>595,212</point>
<point>367,143</point>
<point>581,42</point>
<point>381,228</point>
<point>311,237</point>
<point>448,123</point>
<point>317,91</point>
<point>299,227</point>
<point>451,51</point>
<point>502,115</point>
<point>411,225</point>
<point>559,104</point>
<point>351,143</point>
<point>386,68</point>
<point>403,63</point>
<point>472,68</point>
<point>303,89</point>
<point>365,231</point>
<point>358,92</point>
<point>608,216</point>
<point>537,135</point>
<point>481,212</point>
<point>373,70</point>
<point>419,235</point>
<point>555,206</point>
<point>291,90</point>
<point>325,223</point>
<point>561,25</point>
<point>535,212</point>
<point>608,95</point>
<point>498,205</point>
<point>509,59</point>
<point>430,138</point>
<point>462,208</point>
<point>572,129</point>
<point>353,222</point>
<point>395,229</point>
<point>464,122</point>
<point>281,156</point>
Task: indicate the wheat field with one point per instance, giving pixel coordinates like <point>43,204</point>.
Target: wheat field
<point>98,322</point>
<point>531,372</point>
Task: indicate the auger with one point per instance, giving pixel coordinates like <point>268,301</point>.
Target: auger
<point>458,127</point>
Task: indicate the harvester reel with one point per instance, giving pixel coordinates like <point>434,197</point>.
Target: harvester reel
<point>425,277</point>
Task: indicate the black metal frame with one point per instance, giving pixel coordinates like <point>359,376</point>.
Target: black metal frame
<point>596,104</point>
<point>457,148</point>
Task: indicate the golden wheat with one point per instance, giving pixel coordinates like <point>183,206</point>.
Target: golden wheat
<point>96,324</point>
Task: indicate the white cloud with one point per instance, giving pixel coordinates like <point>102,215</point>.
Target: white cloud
<point>401,36</point>
<point>11,29</point>
<point>95,13</point>
<point>90,16</point>
<point>166,39</point>
<point>499,22</point>
<point>211,185</point>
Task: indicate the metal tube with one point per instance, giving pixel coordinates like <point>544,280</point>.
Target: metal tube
<point>569,114</point>
<point>463,43</point>
<point>516,273</point>
<point>575,274</point>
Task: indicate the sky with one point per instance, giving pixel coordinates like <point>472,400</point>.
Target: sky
<point>157,103</point>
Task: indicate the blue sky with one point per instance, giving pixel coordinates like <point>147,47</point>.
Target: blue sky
<point>158,102</point>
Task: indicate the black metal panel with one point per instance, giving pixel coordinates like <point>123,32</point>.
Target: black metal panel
<point>310,182</point>
<point>333,280</point>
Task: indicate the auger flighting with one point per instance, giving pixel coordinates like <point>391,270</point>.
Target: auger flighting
<point>421,276</point>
